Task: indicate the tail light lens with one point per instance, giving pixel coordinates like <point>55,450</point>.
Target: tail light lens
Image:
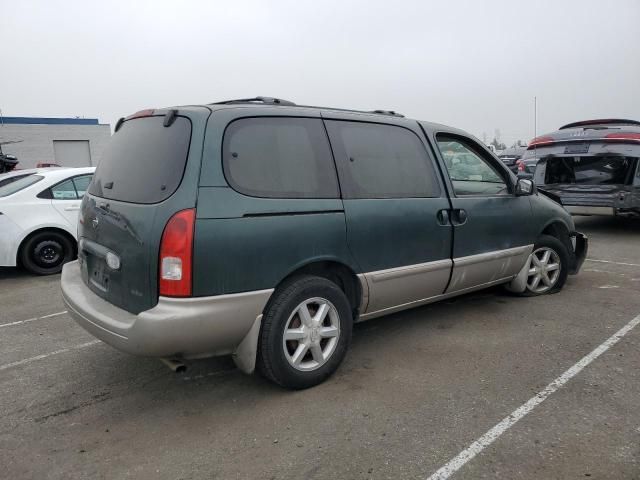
<point>520,164</point>
<point>176,255</point>
<point>630,137</point>
<point>540,141</point>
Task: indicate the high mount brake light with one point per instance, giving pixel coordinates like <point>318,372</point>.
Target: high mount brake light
<point>176,255</point>
<point>142,113</point>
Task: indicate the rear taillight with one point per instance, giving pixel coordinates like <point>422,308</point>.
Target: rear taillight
<point>540,141</point>
<point>520,164</point>
<point>628,137</point>
<point>176,255</point>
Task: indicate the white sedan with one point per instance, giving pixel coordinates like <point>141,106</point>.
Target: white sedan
<point>39,215</point>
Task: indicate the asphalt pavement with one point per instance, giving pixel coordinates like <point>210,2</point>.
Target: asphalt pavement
<point>416,390</point>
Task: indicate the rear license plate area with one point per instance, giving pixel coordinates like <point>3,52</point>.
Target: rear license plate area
<point>97,273</point>
<point>577,148</point>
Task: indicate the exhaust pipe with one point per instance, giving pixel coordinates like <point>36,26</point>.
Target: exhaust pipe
<point>174,364</point>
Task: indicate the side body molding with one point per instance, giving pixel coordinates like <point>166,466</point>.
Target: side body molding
<point>487,267</point>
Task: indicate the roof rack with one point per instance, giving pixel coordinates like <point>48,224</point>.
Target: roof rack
<point>387,112</point>
<point>287,103</point>
<point>264,100</point>
<point>600,121</point>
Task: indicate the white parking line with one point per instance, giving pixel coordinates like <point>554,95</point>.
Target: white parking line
<point>46,355</point>
<point>615,263</point>
<point>492,435</point>
<point>20,322</point>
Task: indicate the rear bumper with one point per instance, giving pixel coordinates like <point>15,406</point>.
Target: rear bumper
<point>580,250</point>
<point>175,327</point>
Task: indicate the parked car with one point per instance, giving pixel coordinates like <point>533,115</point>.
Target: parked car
<point>527,167</point>
<point>592,166</point>
<point>510,157</point>
<point>264,230</point>
<point>38,217</point>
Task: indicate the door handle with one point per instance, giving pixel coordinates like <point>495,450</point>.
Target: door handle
<point>459,216</point>
<point>443,217</point>
<point>72,208</point>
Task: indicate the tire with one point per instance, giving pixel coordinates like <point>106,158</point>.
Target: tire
<point>326,342</point>
<point>549,282</point>
<point>44,253</point>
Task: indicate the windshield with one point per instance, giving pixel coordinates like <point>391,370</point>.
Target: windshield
<point>144,161</point>
<point>20,183</point>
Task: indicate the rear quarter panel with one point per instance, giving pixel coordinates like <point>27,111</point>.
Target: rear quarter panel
<point>245,243</point>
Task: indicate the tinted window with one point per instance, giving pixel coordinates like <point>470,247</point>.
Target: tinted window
<point>381,161</point>
<point>64,191</point>
<point>469,171</point>
<point>144,161</point>
<point>20,184</point>
<point>279,157</point>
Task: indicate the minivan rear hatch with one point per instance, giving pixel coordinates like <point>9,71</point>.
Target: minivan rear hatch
<point>148,172</point>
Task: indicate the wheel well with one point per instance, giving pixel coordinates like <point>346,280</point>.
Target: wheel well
<point>47,229</point>
<point>339,274</point>
<point>561,232</point>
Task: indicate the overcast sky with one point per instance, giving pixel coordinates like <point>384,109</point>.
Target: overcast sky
<point>474,65</point>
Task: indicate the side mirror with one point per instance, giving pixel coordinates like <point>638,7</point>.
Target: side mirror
<point>524,186</point>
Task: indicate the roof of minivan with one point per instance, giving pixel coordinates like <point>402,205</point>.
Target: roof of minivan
<point>390,116</point>
<point>382,116</point>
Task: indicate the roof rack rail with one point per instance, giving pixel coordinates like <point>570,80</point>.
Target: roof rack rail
<point>600,121</point>
<point>387,112</point>
<point>264,100</point>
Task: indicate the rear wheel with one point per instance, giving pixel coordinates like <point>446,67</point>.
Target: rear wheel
<point>548,267</point>
<point>306,331</point>
<point>44,253</point>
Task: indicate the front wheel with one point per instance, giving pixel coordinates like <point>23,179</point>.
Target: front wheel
<point>305,334</point>
<point>548,267</point>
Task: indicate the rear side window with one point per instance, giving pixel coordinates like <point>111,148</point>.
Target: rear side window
<point>64,191</point>
<point>279,157</point>
<point>144,161</point>
<point>381,161</point>
<point>71,189</point>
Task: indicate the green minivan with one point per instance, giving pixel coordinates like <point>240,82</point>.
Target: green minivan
<point>264,229</point>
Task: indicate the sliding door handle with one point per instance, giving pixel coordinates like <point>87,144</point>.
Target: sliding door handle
<point>459,216</point>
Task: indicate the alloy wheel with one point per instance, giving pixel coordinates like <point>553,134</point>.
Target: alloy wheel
<point>544,270</point>
<point>311,334</point>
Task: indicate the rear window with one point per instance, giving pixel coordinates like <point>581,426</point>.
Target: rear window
<point>144,161</point>
<point>20,184</point>
<point>279,157</point>
<point>11,179</point>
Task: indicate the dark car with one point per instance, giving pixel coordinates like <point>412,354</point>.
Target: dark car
<point>593,166</point>
<point>510,157</point>
<point>264,230</point>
